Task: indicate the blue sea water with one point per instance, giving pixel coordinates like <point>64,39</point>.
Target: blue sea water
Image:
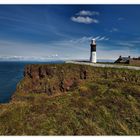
<point>10,74</point>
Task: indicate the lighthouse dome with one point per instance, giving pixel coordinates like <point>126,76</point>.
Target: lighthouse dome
<point>93,41</point>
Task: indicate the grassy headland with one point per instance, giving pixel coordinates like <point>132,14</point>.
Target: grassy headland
<point>68,99</point>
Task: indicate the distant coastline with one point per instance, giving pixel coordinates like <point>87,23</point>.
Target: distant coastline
<point>53,60</point>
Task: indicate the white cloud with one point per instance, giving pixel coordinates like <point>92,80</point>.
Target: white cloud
<point>97,37</point>
<point>85,17</point>
<point>87,13</point>
<point>85,20</point>
<point>101,38</point>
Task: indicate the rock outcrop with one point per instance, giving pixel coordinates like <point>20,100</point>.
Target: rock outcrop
<point>59,78</point>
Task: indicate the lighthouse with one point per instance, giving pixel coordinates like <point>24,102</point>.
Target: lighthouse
<point>93,51</point>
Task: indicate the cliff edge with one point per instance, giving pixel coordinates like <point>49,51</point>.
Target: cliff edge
<point>61,78</point>
<point>72,99</point>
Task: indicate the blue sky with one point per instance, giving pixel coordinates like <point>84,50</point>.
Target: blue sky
<point>40,32</point>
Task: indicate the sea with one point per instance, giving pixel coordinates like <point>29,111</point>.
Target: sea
<point>11,73</point>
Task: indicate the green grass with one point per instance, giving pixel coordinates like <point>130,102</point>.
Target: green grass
<point>105,106</point>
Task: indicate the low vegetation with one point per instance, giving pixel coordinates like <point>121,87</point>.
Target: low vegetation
<point>106,104</point>
<point>121,64</point>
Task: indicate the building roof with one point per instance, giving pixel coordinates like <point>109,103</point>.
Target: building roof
<point>123,59</point>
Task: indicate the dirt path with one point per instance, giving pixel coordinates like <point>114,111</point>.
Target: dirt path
<point>104,65</point>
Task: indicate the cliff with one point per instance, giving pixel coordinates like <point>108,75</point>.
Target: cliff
<point>70,99</point>
<point>54,79</point>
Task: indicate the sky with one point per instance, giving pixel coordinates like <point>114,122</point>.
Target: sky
<point>46,32</point>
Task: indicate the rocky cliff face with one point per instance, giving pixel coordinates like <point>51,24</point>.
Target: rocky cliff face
<point>51,79</point>
<point>58,78</point>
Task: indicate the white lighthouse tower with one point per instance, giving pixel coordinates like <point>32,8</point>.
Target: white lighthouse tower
<point>93,51</point>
